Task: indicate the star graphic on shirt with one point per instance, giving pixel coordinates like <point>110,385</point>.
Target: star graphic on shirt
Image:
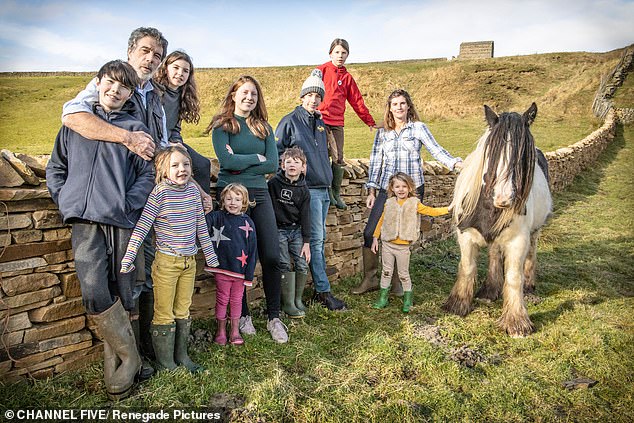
<point>243,259</point>
<point>218,236</point>
<point>246,228</point>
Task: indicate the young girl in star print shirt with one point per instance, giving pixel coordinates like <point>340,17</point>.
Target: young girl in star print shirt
<point>233,234</point>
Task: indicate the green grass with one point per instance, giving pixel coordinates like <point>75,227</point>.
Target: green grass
<point>371,365</point>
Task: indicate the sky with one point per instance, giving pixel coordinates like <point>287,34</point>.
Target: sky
<point>64,35</point>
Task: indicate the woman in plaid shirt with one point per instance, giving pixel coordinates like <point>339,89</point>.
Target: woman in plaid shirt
<point>396,148</point>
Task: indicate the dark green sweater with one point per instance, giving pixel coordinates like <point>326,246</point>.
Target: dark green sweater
<point>237,155</point>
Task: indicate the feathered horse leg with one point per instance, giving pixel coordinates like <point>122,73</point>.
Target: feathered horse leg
<point>514,319</point>
<point>491,289</point>
<point>459,301</point>
<point>530,264</point>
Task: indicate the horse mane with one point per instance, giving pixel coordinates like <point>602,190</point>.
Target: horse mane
<point>512,132</point>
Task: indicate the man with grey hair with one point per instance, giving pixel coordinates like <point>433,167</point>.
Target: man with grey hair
<point>146,49</point>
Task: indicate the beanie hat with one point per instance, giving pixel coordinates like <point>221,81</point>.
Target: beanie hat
<point>313,84</point>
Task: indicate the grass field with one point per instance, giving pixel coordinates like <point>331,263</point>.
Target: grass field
<point>448,95</point>
<point>382,366</point>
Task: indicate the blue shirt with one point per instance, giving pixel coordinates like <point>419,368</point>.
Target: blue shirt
<point>394,152</point>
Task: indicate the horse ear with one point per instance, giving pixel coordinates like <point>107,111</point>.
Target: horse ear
<point>530,115</point>
<point>491,117</point>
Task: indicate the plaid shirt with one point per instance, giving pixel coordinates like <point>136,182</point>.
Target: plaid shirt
<point>394,152</point>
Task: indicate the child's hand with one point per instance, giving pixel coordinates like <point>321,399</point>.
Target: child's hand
<point>229,149</point>
<point>305,252</point>
<point>375,245</point>
<point>212,261</point>
<point>208,204</point>
<point>126,266</point>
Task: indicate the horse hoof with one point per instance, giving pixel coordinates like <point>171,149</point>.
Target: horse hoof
<point>459,308</point>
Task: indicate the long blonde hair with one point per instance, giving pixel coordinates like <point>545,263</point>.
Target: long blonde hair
<point>257,120</point>
<point>162,161</point>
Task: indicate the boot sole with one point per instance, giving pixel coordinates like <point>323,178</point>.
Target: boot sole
<point>117,396</point>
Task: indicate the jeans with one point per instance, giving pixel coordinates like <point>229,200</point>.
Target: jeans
<point>291,243</point>
<point>377,211</point>
<point>98,250</point>
<point>319,203</point>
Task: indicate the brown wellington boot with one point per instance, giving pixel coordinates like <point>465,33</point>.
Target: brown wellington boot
<point>370,266</point>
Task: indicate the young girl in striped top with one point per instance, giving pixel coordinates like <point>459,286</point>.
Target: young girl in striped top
<point>174,210</point>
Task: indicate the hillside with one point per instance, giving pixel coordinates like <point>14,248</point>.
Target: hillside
<point>448,95</point>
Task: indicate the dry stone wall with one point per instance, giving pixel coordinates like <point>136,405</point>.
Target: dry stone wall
<point>43,326</point>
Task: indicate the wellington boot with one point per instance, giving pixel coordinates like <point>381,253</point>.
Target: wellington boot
<point>147,371</point>
<point>382,301</point>
<point>221,332</point>
<point>183,327</point>
<point>370,267</point>
<point>333,202</point>
<point>122,361</point>
<point>288,296</point>
<point>407,301</point>
<point>146,314</point>
<point>337,178</point>
<point>300,284</point>
<point>163,338</point>
<point>234,335</point>
<point>397,286</point>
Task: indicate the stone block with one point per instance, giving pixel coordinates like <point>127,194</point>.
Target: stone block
<point>5,239</point>
<point>56,234</point>
<point>29,298</point>
<point>59,256</point>
<point>70,284</point>
<point>46,219</point>
<point>52,312</point>
<point>18,351</point>
<point>26,236</point>
<point>36,163</point>
<point>34,249</point>
<point>78,362</point>
<point>15,221</point>
<point>44,364</point>
<point>9,177</point>
<point>22,168</point>
<point>347,244</point>
<point>28,283</point>
<point>12,338</point>
<point>43,374</point>
<point>34,359</point>
<point>74,348</point>
<point>61,341</point>
<point>5,313</point>
<point>51,330</point>
<point>96,347</point>
<point>15,322</point>
<point>344,219</point>
<point>17,194</point>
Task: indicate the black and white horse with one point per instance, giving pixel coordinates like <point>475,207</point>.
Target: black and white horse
<point>501,199</point>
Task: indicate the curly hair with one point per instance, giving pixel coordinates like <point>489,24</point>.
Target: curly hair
<point>189,109</point>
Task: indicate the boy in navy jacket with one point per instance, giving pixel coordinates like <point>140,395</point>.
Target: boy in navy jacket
<point>100,189</point>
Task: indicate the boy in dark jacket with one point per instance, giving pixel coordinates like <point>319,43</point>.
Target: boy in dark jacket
<point>291,203</point>
<point>304,128</point>
<point>100,189</point>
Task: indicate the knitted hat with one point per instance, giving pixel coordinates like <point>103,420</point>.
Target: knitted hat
<point>313,84</point>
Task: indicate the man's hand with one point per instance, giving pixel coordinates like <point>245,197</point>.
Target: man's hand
<point>306,252</point>
<point>140,143</point>
<point>369,202</point>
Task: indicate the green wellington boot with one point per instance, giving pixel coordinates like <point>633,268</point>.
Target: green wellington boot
<point>382,301</point>
<point>183,327</point>
<point>407,301</point>
<point>163,339</point>
<point>121,357</point>
<point>288,296</point>
<point>337,178</point>
<point>300,285</point>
